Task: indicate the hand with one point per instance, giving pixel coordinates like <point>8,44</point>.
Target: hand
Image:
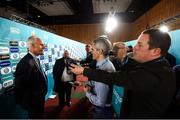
<point>86,88</point>
<point>76,69</point>
<point>78,83</point>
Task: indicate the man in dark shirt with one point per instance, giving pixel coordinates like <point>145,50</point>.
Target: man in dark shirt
<point>88,61</point>
<point>148,77</point>
<point>88,58</point>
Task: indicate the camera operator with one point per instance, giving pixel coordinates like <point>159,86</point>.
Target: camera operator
<point>99,94</point>
<point>63,79</point>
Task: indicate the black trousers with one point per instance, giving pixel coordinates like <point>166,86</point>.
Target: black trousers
<point>64,93</point>
<point>37,110</point>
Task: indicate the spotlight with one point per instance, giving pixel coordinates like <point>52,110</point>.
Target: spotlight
<point>111,24</point>
<point>164,28</point>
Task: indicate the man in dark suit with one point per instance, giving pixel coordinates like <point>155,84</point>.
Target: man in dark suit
<point>63,79</point>
<point>30,80</point>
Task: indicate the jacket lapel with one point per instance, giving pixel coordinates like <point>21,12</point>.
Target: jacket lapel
<point>38,67</point>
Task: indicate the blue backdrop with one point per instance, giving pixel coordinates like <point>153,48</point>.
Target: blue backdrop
<point>13,47</point>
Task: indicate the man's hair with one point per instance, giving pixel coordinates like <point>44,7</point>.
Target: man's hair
<point>103,43</point>
<point>116,46</point>
<point>158,39</point>
<point>31,40</point>
<point>88,45</point>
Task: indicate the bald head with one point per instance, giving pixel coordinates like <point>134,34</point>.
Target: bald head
<point>35,45</point>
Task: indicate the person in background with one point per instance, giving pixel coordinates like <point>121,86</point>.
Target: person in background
<point>148,78</point>
<point>119,52</point>
<point>30,80</point>
<point>88,61</point>
<point>130,48</point>
<point>63,79</point>
<point>130,51</point>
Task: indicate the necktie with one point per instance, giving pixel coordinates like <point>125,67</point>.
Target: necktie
<point>40,68</point>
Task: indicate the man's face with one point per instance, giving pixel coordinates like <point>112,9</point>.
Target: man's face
<point>66,54</point>
<point>38,47</point>
<point>141,51</point>
<point>122,51</point>
<point>95,53</point>
<point>88,48</point>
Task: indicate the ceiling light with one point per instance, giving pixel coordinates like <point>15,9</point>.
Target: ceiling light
<point>111,24</point>
<point>164,28</point>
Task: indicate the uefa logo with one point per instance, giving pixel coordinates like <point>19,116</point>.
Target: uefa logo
<point>22,44</point>
<point>14,68</point>
<point>5,70</point>
<point>14,56</point>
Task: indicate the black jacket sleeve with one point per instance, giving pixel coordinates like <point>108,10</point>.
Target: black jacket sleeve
<point>139,79</point>
<point>21,80</point>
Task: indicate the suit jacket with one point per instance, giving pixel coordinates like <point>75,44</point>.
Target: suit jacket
<point>150,86</point>
<point>88,59</point>
<point>58,71</point>
<point>30,84</point>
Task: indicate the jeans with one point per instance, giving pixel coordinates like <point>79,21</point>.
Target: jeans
<point>101,112</point>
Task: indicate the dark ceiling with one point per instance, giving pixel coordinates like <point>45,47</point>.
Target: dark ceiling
<point>83,12</point>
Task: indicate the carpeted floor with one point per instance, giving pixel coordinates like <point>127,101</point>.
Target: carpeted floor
<point>78,109</point>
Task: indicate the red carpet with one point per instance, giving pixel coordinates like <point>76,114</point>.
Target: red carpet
<point>78,109</point>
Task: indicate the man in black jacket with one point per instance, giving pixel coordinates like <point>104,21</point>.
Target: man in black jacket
<point>63,79</point>
<point>88,61</point>
<point>148,78</point>
<point>30,80</point>
<point>89,57</point>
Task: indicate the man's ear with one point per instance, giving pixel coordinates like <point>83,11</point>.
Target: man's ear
<point>156,51</point>
<point>102,51</point>
<point>33,45</point>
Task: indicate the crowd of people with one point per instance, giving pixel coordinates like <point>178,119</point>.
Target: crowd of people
<point>143,70</point>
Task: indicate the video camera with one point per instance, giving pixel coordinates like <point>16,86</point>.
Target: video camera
<point>68,63</point>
